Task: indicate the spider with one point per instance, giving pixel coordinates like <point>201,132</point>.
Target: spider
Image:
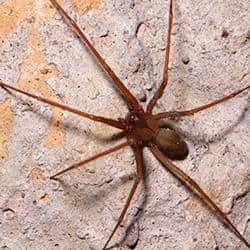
<point>142,128</point>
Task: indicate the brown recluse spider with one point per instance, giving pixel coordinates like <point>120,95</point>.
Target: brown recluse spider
<point>142,128</point>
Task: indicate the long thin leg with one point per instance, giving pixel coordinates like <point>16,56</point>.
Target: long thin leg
<point>125,92</point>
<point>110,122</point>
<point>201,108</point>
<point>139,166</point>
<point>81,163</point>
<point>193,184</point>
<point>164,83</point>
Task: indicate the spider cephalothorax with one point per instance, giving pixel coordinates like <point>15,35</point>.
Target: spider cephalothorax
<point>143,128</point>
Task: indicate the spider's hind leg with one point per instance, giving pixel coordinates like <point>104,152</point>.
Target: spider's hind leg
<point>139,165</point>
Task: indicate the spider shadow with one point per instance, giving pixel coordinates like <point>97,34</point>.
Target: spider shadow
<point>92,195</point>
<point>80,195</point>
<point>218,136</point>
<point>68,125</point>
<point>93,58</point>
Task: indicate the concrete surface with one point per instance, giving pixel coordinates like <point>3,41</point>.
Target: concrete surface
<point>40,54</point>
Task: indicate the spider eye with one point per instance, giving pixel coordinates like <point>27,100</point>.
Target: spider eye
<point>171,144</point>
<point>132,117</point>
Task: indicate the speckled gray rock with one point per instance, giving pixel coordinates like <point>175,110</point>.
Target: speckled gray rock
<point>209,58</point>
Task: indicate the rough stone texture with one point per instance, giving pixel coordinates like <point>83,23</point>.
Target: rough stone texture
<point>39,53</point>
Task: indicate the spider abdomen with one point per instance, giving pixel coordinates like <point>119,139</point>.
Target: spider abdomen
<point>171,144</point>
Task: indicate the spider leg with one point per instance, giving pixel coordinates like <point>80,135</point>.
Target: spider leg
<point>125,92</point>
<point>81,163</point>
<point>110,122</point>
<point>201,108</point>
<point>164,83</point>
<point>139,165</point>
<point>171,167</point>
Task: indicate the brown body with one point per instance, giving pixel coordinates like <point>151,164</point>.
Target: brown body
<point>145,128</point>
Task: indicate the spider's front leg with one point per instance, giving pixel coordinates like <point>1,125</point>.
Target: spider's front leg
<point>130,99</point>
<point>164,83</point>
<point>108,121</point>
